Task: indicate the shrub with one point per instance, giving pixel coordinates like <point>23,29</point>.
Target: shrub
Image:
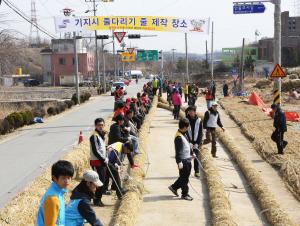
<point>39,112</point>
<point>74,98</point>
<point>69,103</point>
<point>1,126</point>
<point>57,110</point>
<point>18,119</point>
<point>87,96</point>
<point>27,117</point>
<point>62,106</point>
<point>51,111</point>
<point>5,127</point>
<point>82,98</point>
<point>11,122</point>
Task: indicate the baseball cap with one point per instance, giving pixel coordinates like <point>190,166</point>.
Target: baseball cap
<point>92,176</point>
<point>214,104</point>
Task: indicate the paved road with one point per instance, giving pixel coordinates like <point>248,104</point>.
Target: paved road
<point>21,158</point>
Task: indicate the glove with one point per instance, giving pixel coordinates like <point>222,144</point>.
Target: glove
<point>129,139</point>
<point>194,156</point>
<point>134,166</point>
<point>106,161</point>
<point>180,165</point>
<point>196,146</point>
<point>117,167</point>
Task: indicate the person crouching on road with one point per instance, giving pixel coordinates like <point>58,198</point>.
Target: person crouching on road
<point>52,205</point>
<point>183,158</point>
<point>98,159</point>
<point>114,155</point>
<point>211,121</point>
<point>79,210</point>
<point>280,128</point>
<point>195,136</point>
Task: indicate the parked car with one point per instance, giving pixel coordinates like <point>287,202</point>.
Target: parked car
<point>31,82</point>
<point>115,84</point>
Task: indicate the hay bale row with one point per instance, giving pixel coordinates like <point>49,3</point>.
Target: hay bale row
<point>258,127</point>
<point>219,202</point>
<point>276,216</point>
<point>127,213</point>
<point>22,210</point>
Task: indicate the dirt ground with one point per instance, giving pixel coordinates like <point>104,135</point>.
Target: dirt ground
<point>160,206</point>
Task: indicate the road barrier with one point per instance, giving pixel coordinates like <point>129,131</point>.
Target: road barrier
<point>127,213</point>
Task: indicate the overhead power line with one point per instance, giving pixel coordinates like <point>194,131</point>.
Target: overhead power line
<point>21,14</point>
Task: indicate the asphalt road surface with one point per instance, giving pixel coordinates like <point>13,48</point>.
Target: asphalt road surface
<point>23,157</point>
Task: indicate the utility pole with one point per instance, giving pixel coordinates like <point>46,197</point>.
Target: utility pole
<point>277,49</point>
<point>242,68</point>
<point>206,55</point>
<point>212,52</point>
<point>76,68</point>
<point>114,55</point>
<point>173,60</point>
<point>103,62</point>
<point>123,63</point>
<point>186,58</point>
<point>96,46</point>
<point>162,64</point>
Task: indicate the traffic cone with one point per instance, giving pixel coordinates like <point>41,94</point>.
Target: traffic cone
<point>80,140</point>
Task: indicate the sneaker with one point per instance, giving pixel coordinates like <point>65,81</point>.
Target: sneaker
<point>173,190</point>
<point>197,175</point>
<point>187,197</point>
<point>99,203</point>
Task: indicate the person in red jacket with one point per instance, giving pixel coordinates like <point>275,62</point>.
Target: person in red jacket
<point>177,102</point>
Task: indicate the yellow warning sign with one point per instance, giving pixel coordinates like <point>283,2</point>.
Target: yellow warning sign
<point>128,57</point>
<point>278,72</point>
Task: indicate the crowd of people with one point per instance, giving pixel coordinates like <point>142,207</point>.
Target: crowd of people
<point>106,162</point>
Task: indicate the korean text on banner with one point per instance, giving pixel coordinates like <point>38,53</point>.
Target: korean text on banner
<point>150,23</point>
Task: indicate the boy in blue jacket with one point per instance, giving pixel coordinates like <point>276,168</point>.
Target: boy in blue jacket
<point>52,208</point>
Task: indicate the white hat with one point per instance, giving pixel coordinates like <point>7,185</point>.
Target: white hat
<point>92,176</point>
<point>214,103</point>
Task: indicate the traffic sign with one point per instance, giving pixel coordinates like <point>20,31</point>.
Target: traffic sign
<point>130,50</point>
<point>248,8</point>
<point>120,36</point>
<point>127,57</point>
<point>147,55</point>
<point>278,72</point>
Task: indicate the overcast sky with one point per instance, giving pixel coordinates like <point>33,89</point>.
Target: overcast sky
<point>229,28</point>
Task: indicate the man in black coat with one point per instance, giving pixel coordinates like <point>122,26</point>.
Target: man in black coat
<point>225,89</point>
<point>116,132</point>
<point>280,128</point>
